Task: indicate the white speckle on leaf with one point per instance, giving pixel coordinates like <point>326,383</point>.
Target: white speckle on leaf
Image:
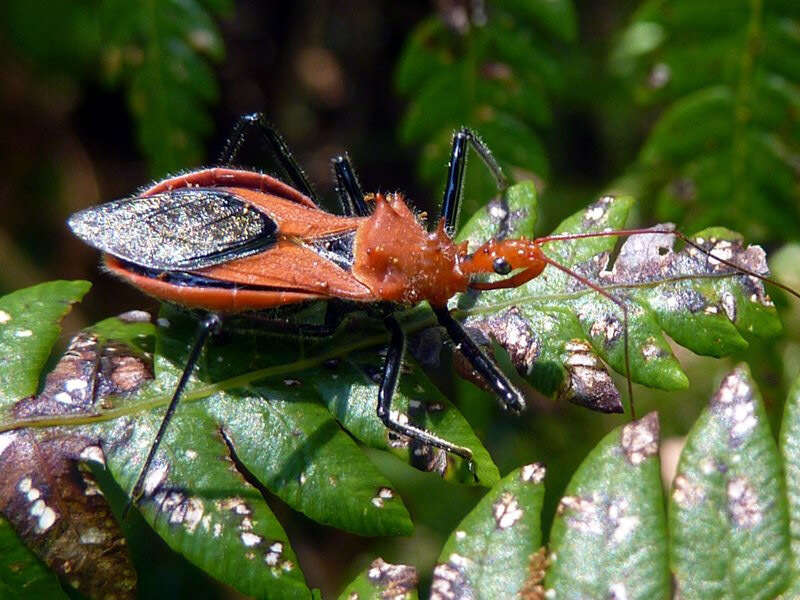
<point>4,317</point>
<point>729,305</point>
<point>24,333</point>
<point>93,535</point>
<point>685,493</point>
<point>617,591</point>
<point>63,398</point>
<point>93,454</point>
<point>162,322</point>
<point>743,505</point>
<point>506,511</point>
<point>460,535</point>
<point>46,519</point>
<point>156,476</point>
<point>74,385</point>
<point>533,473</point>
<point>250,539</point>
<point>640,438</point>
<point>6,439</point>
<point>194,514</point>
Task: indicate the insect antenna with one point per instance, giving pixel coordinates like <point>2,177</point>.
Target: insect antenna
<point>645,231</point>
<point>683,237</point>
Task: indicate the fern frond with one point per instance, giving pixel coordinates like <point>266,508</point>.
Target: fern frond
<point>495,78</point>
<point>726,148</point>
<point>160,50</point>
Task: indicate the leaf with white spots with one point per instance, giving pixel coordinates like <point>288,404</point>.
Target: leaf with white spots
<point>383,580</point>
<point>556,329</point>
<point>47,491</point>
<point>22,574</point>
<point>350,394</point>
<point>729,534</point>
<point>789,443</point>
<point>274,428</point>
<point>29,325</point>
<point>493,551</point>
<point>609,537</point>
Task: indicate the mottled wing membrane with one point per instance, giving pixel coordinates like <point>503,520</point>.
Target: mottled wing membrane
<point>181,229</point>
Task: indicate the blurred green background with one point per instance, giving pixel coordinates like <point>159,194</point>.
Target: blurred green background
<point>99,98</point>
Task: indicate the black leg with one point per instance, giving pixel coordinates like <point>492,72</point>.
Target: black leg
<point>256,124</point>
<point>348,189</point>
<point>451,203</point>
<point>391,370</point>
<point>211,324</point>
<point>509,395</point>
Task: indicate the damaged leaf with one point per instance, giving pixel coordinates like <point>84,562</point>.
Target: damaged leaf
<point>789,443</point>
<point>22,574</point>
<point>255,419</point>
<point>556,329</point>
<point>47,492</point>
<point>493,551</point>
<point>383,580</point>
<point>727,510</point>
<point>609,537</point>
<point>29,326</point>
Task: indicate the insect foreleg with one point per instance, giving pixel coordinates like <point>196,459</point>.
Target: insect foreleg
<point>509,395</point>
<point>211,324</point>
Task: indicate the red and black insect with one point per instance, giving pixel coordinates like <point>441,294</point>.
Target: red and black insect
<point>226,240</point>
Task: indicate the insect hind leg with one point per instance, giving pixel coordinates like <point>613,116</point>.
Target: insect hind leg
<point>391,371</point>
<point>255,125</point>
<point>211,324</point>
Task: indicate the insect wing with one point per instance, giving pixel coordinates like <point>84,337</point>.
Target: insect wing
<point>182,229</point>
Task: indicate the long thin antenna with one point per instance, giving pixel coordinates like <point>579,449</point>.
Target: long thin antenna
<point>678,234</point>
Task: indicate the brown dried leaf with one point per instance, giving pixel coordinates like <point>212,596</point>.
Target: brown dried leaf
<point>47,491</point>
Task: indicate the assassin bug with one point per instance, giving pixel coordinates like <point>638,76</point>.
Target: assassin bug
<point>227,240</point>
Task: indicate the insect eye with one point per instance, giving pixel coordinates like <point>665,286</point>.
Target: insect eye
<point>501,266</point>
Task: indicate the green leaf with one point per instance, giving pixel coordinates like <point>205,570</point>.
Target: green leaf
<point>494,77</point>
<point>609,538</point>
<point>199,497</point>
<point>159,50</point>
<point>727,511</point>
<point>274,428</point>
<point>789,443</point>
<point>383,580</point>
<point>556,329</point>
<point>29,326</point>
<point>489,554</point>
<point>22,575</point>
<point>725,147</point>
